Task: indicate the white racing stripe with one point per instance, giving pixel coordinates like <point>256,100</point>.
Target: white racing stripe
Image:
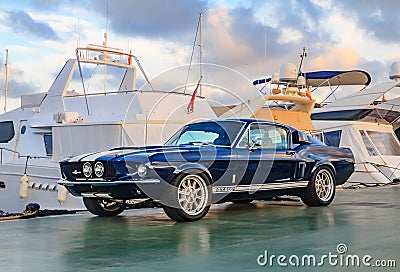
<point>80,157</point>
<point>259,187</point>
<point>96,155</point>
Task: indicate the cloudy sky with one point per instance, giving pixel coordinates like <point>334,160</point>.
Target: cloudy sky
<point>253,38</point>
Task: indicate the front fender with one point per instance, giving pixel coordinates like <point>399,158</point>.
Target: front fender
<point>190,166</point>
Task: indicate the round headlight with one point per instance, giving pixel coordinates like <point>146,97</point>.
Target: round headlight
<point>141,170</point>
<point>99,169</point>
<point>87,169</point>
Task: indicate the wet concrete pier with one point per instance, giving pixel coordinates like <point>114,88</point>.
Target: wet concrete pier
<point>360,225</point>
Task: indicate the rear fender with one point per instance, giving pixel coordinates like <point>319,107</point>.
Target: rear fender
<point>324,163</point>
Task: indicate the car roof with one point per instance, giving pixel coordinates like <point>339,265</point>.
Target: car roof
<point>247,121</point>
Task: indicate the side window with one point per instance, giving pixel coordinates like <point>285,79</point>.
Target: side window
<point>332,138</point>
<point>279,137</point>
<point>48,144</point>
<point>245,140</point>
<point>270,137</point>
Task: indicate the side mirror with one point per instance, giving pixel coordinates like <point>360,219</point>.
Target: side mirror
<point>256,144</point>
<point>299,138</point>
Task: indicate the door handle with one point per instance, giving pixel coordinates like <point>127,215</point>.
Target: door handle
<point>290,152</point>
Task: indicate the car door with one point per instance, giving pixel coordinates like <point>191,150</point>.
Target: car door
<point>264,156</point>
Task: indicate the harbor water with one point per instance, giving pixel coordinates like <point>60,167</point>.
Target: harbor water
<point>360,225</point>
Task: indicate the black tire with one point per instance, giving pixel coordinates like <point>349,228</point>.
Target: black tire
<point>320,191</point>
<point>189,197</point>
<point>103,207</point>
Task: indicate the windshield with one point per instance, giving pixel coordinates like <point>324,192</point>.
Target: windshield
<point>98,78</point>
<point>385,142</point>
<point>211,132</point>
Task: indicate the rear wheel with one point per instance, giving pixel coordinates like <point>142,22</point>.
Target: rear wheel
<point>320,190</point>
<point>190,198</point>
<point>103,207</point>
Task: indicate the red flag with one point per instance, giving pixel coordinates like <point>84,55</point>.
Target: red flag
<point>308,94</point>
<point>190,107</point>
<point>130,58</point>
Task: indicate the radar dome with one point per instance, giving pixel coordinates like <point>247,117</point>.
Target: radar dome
<point>288,72</point>
<point>301,81</point>
<point>395,71</point>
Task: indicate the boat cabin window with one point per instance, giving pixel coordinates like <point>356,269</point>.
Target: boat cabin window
<point>368,144</point>
<point>48,144</point>
<point>385,142</point>
<point>6,131</point>
<point>332,138</point>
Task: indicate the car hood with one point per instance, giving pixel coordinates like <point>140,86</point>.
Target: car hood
<point>140,153</point>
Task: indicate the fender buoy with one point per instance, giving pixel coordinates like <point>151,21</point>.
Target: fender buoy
<point>23,187</point>
<point>62,194</point>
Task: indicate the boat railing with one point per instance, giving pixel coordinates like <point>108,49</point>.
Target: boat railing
<point>92,51</point>
<point>127,92</point>
<point>4,149</point>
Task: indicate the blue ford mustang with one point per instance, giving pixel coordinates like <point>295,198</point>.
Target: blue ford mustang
<point>236,160</point>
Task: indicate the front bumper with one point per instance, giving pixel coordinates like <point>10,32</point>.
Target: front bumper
<point>123,190</point>
<point>67,183</point>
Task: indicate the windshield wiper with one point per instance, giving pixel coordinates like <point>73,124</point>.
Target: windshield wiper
<point>199,143</point>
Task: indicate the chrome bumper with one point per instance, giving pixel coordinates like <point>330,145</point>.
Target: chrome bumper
<point>107,183</point>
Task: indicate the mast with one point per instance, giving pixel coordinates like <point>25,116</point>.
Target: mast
<point>6,88</point>
<point>302,56</point>
<point>200,45</point>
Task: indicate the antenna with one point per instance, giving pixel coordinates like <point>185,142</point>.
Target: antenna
<point>78,42</point>
<point>6,88</point>
<point>191,56</point>
<point>200,45</point>
<point>107,19</point>
<point>265,52</point>
<point>303,54</point>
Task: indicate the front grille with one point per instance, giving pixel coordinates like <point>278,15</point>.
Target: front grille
<point>73,171</point>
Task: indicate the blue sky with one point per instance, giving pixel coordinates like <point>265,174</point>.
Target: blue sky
<point>338,34</point>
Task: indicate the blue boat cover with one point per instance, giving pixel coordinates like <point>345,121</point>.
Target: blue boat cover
<point>330,78</point>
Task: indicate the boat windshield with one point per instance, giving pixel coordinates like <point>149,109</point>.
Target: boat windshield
<point>98,78</point>
<point>212,132</point>
<point>385,142</point>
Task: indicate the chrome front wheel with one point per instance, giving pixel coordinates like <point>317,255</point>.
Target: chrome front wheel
<point>192,194</point>
<point>190,197</point>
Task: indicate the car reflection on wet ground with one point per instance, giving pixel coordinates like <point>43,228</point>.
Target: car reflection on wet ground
<point>230,238</point>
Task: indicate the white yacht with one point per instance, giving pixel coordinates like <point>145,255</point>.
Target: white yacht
<point>92,105</point>
<point>363,122</point>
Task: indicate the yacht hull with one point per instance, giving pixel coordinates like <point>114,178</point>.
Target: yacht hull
<point>42,189</point>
